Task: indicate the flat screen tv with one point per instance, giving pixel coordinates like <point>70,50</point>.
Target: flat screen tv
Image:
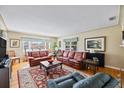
<point>2,48</point>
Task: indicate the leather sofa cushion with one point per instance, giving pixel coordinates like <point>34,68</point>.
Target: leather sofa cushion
<point>35,54</point>
<point>67,83</point>
<point>65,54</point>
<point>78,56</point>
<point>42,53</point>
<point>30,58</point>
<point>60,52</point>
<point>46,53</point>
<point>65,58</point>
<point>96,81</point>
<point>60,58</point>
<point>72,60</point>
<point>71,54</point>
<point>45,57</point>
<point>37,58</point>
<point>29,54</point>
<point>77,64</point>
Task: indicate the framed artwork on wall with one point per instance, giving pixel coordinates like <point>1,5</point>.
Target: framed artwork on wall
<point>95,43</point>
<point>14,43</point>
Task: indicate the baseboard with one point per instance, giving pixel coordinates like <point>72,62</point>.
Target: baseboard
<point>117,68</point>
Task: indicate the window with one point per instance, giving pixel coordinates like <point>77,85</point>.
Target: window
<point>30,44</point>
<point>71,44</point>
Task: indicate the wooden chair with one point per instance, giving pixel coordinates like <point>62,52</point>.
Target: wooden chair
<point>13,56</point>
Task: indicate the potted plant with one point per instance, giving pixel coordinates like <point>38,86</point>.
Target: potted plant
<point>55,50</point>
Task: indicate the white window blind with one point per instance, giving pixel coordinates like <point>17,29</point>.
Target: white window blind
<point>33,44</point>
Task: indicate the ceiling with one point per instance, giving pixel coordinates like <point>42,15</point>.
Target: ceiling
<point>60,20</point>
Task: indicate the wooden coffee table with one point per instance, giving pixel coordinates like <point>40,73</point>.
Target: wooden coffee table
<point>48,66</point>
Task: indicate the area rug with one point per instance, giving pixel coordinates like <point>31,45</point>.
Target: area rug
<point>37,78</point>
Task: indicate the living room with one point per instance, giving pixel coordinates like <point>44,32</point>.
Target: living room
<point>59,42</point>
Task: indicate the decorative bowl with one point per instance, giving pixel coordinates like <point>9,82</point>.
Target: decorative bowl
<point>50,61</point>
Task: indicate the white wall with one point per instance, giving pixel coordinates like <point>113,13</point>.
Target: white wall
<point>122,16</point>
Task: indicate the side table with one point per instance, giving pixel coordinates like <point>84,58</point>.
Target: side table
<point>89,62</point>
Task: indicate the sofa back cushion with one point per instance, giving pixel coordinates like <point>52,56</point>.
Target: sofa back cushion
<point>65,54</point>
<point>35,54</point>
<point>78,56</point>
<point>46,53</point>
<point>71,54</point>
<point>42,53</point>
<point>60,52</point>
<point>67,83</point>
<point>29,54</point>
<point>96,81</point>
<point>103,77</point>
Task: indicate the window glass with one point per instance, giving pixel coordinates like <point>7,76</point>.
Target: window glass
<point>35,44</point>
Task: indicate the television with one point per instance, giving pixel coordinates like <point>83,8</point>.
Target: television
<point>2,48</point>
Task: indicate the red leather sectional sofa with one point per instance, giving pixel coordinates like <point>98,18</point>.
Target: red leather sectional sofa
<point>72,58</point>
<point>35,57</point>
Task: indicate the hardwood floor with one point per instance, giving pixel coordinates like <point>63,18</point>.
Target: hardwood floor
<point>22,65</point>
<point>15,68</point>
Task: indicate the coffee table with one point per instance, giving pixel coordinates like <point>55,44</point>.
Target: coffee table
<point>48,66</point>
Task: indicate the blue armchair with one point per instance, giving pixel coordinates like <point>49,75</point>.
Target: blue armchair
<point>99,80</point>
<point>65,81</point>
<point>75,80</point>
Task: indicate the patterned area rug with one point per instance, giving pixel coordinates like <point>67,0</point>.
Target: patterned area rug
<point>37,78</point>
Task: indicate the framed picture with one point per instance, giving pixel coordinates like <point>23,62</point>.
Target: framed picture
<point>95,44</point>
<point>14,43</point>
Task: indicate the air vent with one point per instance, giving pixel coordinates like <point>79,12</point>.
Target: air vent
<point>112,18</point>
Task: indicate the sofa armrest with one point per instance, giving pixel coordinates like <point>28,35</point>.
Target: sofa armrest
<point>51,83</point>
<point>60,79</point>
<point>74,75</point>
<point>113,83</point>
<point>30,57</point>
<point>78,76</point>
